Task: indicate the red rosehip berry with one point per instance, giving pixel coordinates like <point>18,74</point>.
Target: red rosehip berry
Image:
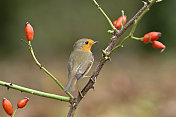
<point>7,106</point>
<point>118,23</point>
<point>22,103</point>
<point>154,35</point>
<point>146,38</point>
<point>29,32</point>
<point>158,45</point>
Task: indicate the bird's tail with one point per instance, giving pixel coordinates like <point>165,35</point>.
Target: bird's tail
<point>71,85</point>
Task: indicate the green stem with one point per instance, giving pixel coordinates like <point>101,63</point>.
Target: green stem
<point>104,14</point>
<point>119,45</point>
<point>122,18</point>
<point>14,112</point>
<point>45,70</point>
<point>34,92</point>
<point>137,38</point>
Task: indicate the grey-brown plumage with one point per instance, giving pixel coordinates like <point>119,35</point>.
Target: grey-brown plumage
<point>79,63</point>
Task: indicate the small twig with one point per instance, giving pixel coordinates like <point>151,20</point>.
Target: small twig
<point>110,22</point>
<point>137,38</point>
<point>35,92</point>
<point>24,41</point>
<point>14,112</point>
<point>45,70</point>
<point>122,18</point>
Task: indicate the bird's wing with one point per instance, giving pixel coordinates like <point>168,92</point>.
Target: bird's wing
<point>83,69</point>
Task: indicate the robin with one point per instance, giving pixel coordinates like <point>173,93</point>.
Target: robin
<point>79,63</point>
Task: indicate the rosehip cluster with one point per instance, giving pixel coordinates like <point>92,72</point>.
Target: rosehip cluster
<point>150,37</point>
<point>8,106</point>
<point>153,37</point>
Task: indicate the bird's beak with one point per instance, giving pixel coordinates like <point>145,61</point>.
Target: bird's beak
<point>95,42</point>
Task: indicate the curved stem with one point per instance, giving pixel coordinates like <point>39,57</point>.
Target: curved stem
<point>45,70</point>
<point>35,92</point>
<point>109,21</point>
<point>119,45</point>
<point>137,38</point>
<point>123,14</point>
<point>14,112</point>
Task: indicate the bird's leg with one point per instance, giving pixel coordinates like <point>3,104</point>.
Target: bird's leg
<point>90,78</point>
<point>79,90</point>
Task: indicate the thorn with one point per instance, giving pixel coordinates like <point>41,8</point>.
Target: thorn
<point>8,85</point>
<point>24,41</point>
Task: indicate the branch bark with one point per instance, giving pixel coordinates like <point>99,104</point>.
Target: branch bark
<point>115,37</point>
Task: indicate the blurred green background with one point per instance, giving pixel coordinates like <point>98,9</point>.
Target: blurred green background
<point>139,82</point>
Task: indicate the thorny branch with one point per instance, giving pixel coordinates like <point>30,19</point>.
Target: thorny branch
<point>115,37</point>
<point>106,54</point>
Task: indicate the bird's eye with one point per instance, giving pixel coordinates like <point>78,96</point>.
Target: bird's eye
<point>86,42</point>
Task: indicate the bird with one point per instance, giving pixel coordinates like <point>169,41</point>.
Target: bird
<point>80,62</point>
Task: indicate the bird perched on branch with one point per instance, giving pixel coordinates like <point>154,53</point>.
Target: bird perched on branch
<point>79,63</point>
